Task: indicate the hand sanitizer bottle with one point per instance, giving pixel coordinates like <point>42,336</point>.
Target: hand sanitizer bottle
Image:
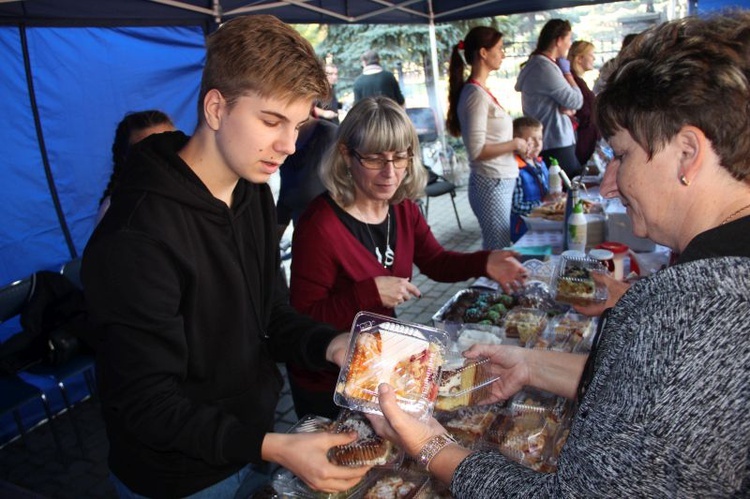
<point>555,182</point>
<point>577,228</point>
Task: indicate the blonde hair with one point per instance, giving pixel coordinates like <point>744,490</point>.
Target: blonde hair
<point>261,54</point>
<point>373,125</point>
<point>577,49</point>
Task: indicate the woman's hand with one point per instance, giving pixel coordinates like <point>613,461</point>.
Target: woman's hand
<point>399,427</point>
<point>395,290</point>
<point>615,290</point>
<point>503,267</point>
<point>306,455</point>
<point>509,363</point>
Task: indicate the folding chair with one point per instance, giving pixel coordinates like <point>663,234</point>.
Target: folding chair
<point>16,393</point>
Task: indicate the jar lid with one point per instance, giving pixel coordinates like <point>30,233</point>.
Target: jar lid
<point>601,254</point>
<point>613,247</point>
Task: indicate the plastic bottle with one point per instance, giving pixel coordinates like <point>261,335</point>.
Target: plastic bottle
<point>571,201</point>
<point>555,182</point>
<point>577,228</point>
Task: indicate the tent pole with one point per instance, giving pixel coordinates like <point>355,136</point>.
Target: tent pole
<point>436,76</point>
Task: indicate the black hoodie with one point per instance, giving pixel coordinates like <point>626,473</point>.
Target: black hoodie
<point>185,296</point>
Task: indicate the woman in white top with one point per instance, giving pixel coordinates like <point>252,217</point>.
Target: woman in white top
<point>487,132</point>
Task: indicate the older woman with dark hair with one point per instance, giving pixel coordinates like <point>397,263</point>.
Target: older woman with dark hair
<point>355,246</point>
<point>662,398</point>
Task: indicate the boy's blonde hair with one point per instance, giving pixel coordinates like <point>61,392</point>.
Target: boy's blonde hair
<point>261,54</point>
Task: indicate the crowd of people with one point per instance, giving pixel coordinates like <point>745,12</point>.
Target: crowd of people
<point>182,274</point>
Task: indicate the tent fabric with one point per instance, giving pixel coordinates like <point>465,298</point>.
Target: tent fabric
<point>64,91</point>
<point>210,12</point>
<point>81,82</point>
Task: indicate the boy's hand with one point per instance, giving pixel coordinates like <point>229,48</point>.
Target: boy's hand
<point>336,351</point>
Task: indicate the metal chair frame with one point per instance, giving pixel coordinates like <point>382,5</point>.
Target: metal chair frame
<point>16,392</point>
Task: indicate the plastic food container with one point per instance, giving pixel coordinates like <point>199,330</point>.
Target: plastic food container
<point>469,424</point>
<point>311,424</point>
<point>526,431</point>
<point>288,485</point>
<point>368,450</point>
<point>400,484</point>
<point>574,282</point>
<point>463,382</point>
<point>570,332</point>
<point>473,306</point>
<point>525,323</point>
<point>470,334</point>
<point>385,350</point>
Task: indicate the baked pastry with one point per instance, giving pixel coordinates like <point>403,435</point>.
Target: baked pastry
<point>576,285</point>
<point>525,324</point>
<point>480,307</point>
<point>406,362</point>
<point>368,450</point>
<point>456,382</point>
<point>391,487</point>
<point>469,424</point>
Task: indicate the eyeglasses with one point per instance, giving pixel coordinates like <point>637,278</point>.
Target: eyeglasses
<point>379,163</point>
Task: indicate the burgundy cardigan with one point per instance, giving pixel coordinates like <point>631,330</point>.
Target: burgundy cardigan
<point>333,274</point>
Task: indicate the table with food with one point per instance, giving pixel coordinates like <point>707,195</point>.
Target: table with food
<point>431,378</point>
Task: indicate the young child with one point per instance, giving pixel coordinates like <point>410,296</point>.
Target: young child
<point>181,280</point>
<point>532,184</point>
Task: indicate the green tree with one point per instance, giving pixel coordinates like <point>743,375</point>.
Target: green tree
<point>399,46</point>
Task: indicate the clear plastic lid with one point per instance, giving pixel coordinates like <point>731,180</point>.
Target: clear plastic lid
<point>463,382</point>
<point>405,355</point>
<point>469,424</point>
<point>368,450</point>
<point>288,485</point>
<point>526,430</point>
<point>401,484</point>
<point>525,323</point>
<point>473,306</point>
<point>311,424</point>
<point>574,283</point>
<point>471,334</point>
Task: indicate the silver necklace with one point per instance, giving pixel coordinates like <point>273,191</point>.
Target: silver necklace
<point>386,261</point>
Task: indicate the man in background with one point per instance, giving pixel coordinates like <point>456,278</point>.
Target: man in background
<point>374,80</point>
<point>329,109</point>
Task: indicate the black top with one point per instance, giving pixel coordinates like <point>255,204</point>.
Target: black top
<point>192,320</point>
<point>377,238</point>
<point>730,239</point>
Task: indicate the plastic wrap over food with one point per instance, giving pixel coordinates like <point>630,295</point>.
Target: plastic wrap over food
<point>382,349</point>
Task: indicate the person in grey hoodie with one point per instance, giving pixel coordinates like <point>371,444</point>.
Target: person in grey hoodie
<point>550,94</point>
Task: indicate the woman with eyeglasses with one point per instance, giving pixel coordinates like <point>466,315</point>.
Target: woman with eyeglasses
<point>355,246</point>
<point>486,129</point>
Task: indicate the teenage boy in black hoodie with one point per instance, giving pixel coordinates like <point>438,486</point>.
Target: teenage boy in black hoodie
<point>181,280</point>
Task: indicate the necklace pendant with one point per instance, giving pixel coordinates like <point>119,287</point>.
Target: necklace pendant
<point>389,257</point>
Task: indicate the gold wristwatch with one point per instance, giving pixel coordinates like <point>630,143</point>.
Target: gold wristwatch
<point>432,447</point>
